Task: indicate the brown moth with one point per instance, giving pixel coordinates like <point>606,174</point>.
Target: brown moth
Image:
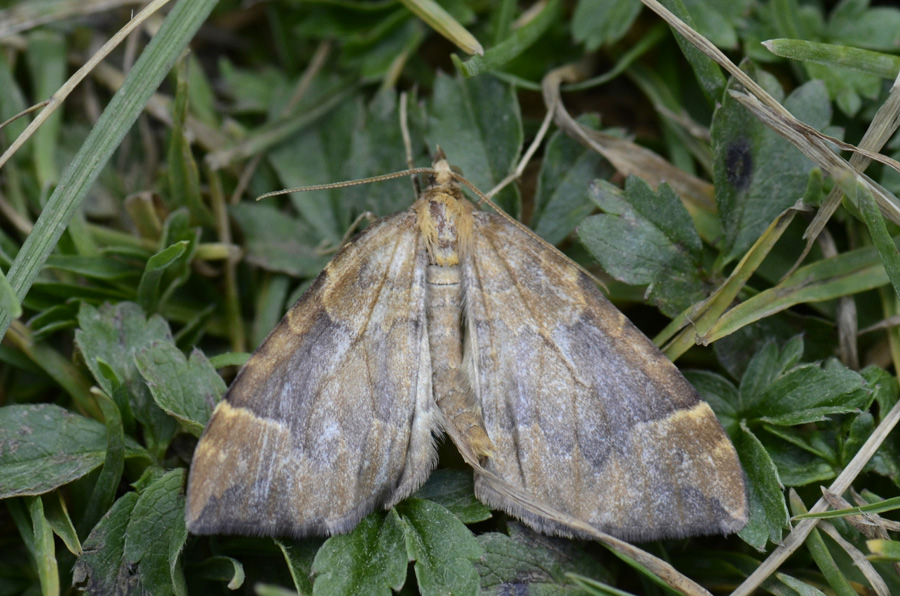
<point>447,318</point>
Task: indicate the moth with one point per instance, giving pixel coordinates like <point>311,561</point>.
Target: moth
<point>448,319</point>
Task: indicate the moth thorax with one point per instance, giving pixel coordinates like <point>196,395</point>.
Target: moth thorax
<point>445,220</point>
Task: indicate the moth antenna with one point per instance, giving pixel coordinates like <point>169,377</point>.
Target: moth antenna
<point>332,185</point>
<point>407,143</point>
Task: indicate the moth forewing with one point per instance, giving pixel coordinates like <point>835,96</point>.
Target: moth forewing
<point>445,317</point>
<point>333,414</point>
<point>585,413</point>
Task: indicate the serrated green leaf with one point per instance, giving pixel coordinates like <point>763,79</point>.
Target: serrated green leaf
<point>531,564</point>
<point>809,392</point>
<point>562,200</point>
<point>757,173</point>
<point>768,511</point>
<point>113,334</point>
<point>370,558</point>
<point>156,534</point>
<point>102,568</point>
<point>276,242</point>
<point>759,374</point>
<point>646,238</point>
<point>884,387</point>
<point>478,124</point>
<point>442,547</point>
<point>187,389</point>
<point>43,447</point>
<point>797,466</point>
<point>455,490</point>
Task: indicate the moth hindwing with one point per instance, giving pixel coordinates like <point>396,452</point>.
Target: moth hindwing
<point>541,378</point>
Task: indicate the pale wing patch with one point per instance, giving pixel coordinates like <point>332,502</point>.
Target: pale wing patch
<point>585,413</point>
<point>333,414</point>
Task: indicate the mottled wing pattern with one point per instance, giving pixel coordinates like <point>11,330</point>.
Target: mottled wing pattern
<point>333,414</point>
<point>585,413</point>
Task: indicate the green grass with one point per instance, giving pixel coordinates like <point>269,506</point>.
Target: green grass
<point>137,272</point>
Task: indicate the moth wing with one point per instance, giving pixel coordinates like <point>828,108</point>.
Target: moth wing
<point>333,414</point>
<point>586,415</point>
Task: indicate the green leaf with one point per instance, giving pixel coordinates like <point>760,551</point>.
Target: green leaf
<point>442,547</point>
<point>816,547</point>
<point>57,516</point>
<point>597,23</point>
<point>528,563</point>
<point>884,550</point>
<point>646,238</point>
<point>513,46</point>
<point>299,556</point>
<point>44,547</point>
<point>757,173</point>
<point>276,241</point>
<point>102,568</point>
<point>455,490</point>
<point>808,393</point>
<point>711,19</point>
<point>720,394</point>
<point>43,447</point>
<point>708,73</point>
<point>371,557</point>
<point>104,268</point>
<point>187,389</point>
<point>855,24</point>
<point>562,200</point>
<point>887,250</point>
<point>797,466</point>
<point>830,55</point>
<point>156,534</point>
<point>113,334</point>
<point>148,290</point>
<point>478,124</point>
<point>184,179</point>
<point>762,369</point>
<point>768,511</point>
<point>107,483</point>
<point>221,568</point>
<point>9,302</point>
<point>46,57</point>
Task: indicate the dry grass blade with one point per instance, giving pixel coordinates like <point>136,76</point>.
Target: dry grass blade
<point>29,15</point>
<point>883,125</point>
<point>630,159</point>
